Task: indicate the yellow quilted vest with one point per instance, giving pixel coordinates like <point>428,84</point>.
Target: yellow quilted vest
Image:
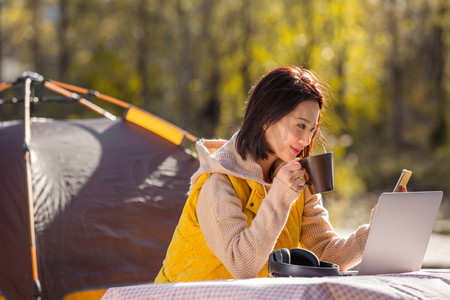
<point>188,257</point>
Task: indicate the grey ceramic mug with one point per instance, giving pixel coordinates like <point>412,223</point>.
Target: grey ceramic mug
<point>320,171</point>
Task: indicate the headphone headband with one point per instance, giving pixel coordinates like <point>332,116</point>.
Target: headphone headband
<point>286,268</point>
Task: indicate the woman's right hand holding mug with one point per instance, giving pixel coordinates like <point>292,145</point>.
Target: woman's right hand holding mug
<point>293,175</point>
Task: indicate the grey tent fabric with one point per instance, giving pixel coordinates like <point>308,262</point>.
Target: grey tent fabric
<point>107,197</point>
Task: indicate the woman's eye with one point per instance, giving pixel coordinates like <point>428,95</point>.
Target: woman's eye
<point>301,126</point>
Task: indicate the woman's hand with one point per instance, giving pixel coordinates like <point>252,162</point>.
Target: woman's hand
<point>372,213</point>
<point>293,175</point>
<point>402,188</point>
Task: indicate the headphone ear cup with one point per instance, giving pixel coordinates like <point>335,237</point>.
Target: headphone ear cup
<point>282,255</point>
<point>304,257</point>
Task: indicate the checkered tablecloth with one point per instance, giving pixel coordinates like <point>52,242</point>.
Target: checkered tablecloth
<point>429,284</point>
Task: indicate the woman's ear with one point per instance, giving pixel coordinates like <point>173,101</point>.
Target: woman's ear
<point>265,126</point>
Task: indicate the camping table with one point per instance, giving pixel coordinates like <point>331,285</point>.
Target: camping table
<point>426,284</point>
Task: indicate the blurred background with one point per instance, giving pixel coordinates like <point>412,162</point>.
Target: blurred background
<point>386,64</point>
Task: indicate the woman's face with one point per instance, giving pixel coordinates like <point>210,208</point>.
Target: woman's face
<point>293,132</point>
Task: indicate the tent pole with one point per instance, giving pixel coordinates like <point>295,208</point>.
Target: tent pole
<point>92,93</point>
<point>144,118</point>
<point>26,146</point>
<point>80,100</point>
<point>124,105</point>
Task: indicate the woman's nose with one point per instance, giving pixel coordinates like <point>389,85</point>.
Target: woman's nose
<point>306,137</point>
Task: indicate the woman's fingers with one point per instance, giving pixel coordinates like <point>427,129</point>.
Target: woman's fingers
<point>297,184</point>
<point>293,165</point>
<point>293,175</point>
<point>298,173</point>
<point>372,213</point>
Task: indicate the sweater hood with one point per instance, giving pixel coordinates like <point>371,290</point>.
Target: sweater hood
<point>221,156</point>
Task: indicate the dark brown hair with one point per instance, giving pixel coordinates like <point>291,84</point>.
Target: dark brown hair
<point>273,97</point>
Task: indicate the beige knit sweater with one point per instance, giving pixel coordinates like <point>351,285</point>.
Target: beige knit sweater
<point>244,250</point>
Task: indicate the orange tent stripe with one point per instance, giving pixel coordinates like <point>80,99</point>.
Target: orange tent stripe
<point>70,87</point>
<point>113,100</point>
<point>155,124</point>
<point>86,91</point>
<point>5,85</point>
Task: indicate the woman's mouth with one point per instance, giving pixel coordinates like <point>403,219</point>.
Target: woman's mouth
<point>295,150</point>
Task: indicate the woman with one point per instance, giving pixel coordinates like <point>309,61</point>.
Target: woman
<point>248,198</point>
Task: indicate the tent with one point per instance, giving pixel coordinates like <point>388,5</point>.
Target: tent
<point>105,196</point>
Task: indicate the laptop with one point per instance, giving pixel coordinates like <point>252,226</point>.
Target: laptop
<point>400,233</point>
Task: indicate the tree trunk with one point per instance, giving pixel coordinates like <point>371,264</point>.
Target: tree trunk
<point>186,67</point>
<point>143,52</point>
<point>36,56</point>
<point>396,74</point>
<point>63,59</point>
<point>437,89</point>
<point>340,107</point>
<point>1,44</point>
<point>209,116</point>
<point>247,20</point>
